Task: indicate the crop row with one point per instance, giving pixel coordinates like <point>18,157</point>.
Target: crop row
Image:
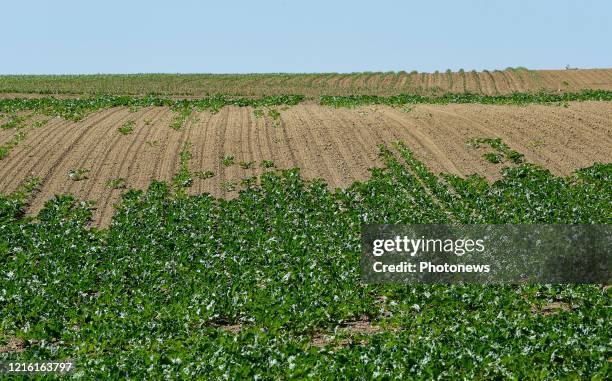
<point>76,109</point>
<point>266,285</point>
<point>19,124</point>
<point>513,99</point>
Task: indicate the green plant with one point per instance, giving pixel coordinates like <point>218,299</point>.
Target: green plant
<point>11,143</point>
<point>248,181</point>
<point>76,109</point>
<point>514,156</point>
<point>14,121</point>
<point>127,127</point>
<point>78,174</point>
<point>275,271</point>
<point>183,111</point>
<point>275,115</point>
<point>40,123</point>
<point>204,174</point>
<point>227,186</point>
<point>227,160</point>
<point>501,150</point>
<point>246,164</point>
<point>493,157</point>
<point>512,99</point>
<point>183,178</point>
<point>267,164</point>
<point>118,183</point>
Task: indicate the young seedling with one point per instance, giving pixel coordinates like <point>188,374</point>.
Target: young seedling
<point>12,143</point>
<point>246,164</point>
<point>204,174</point>
<point>14,122</point>
<point>119,183</point>
<point>274,114</point>
<point>179,120</point>
<point>78,174</point>
<point>228,186</point>
<point>492,157</point>
<point>127,128</point>
<point>248,181</point>
<point>501,150</point>
<point>515,156</point>
<point>227,160</point>
<point>39,123</point>
<point>183,178</point>
<point>267,164</point>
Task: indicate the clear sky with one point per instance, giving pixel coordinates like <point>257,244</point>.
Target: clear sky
<point>55,37</point>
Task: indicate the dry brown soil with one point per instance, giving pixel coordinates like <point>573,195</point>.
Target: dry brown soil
<point>338,145</point>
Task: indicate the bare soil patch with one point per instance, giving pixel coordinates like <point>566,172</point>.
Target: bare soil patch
<point>551,308</point>
<point>348,333</point>
<point>11,344</point>
<point>338,145</point>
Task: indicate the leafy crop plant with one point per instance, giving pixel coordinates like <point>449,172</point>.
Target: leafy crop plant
<point>267,285</point>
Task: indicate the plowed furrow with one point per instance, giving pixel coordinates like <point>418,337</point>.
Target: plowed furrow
<point>43,148</point>
<point>413,133</point>
<point>111,145</point>
<point>488,82</point>
<point>299,129</point>
<point>131,158</point>
<point>335,152</point>
<point>230,146</point>
<point>212,151</point>
<point>483,129</point>
<point>55,179</point>
<point>198,138</point>
<point>359,142</point>
<point>29,152</point>
<point>88,153</point>
<point>308,131</point>
<point>144,169</point>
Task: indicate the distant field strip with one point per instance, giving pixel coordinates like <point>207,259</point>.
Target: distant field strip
<point>494,82</point>
<point>77,108</point>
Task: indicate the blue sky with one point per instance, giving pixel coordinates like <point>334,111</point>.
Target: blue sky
<point>55,37</point>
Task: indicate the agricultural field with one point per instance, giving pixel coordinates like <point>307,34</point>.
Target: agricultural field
<point>494,82</point>
<point>218,236</point>
<point>138,145</point>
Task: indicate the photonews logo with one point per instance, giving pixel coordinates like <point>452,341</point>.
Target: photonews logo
<point>486,253</point>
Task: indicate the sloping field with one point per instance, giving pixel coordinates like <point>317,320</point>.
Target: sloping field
<point>494,82</point>
<point>338,145</point>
